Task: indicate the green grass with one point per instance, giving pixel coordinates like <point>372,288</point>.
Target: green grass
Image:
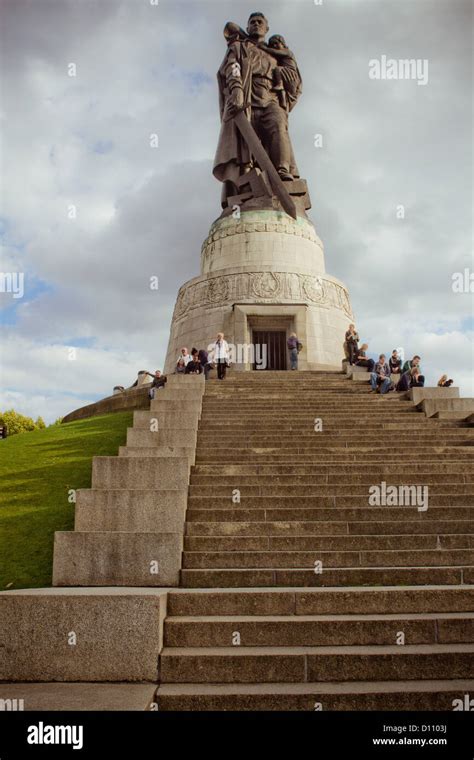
<point>37,470</point>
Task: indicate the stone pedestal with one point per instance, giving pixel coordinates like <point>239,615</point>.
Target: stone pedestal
<point>263,271</point>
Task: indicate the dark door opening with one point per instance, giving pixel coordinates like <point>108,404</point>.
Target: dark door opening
<point>269,349</point>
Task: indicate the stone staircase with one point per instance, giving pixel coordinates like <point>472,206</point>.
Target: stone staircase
<point>296,593</point>
<point>278,585</point>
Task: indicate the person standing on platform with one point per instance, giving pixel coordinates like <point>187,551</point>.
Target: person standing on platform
<point>352,343</point>
<point>221,355</point>
<point>292,344</point>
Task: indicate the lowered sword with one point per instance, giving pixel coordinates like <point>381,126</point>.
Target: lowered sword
<point>258,151</point>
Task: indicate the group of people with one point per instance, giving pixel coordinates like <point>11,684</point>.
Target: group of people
<point>381,372</point>
<point>203,361</point>
<point>217,356</point>
<point>195,363</point>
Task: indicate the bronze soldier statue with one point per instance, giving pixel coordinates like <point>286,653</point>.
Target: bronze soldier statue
<point>263,81</point>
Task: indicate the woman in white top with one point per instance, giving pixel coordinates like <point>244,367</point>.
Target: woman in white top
<point>221,355</point>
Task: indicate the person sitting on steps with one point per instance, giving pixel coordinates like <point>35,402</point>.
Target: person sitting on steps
<point>410,379</point>
<point>380,377</point>
<point>184,358</point>
<point>159,381</point>
<point>443,382</point>
<point>361,359</point>
<point>415,362</point>
<point>395,363</point>
<point>193,367</point>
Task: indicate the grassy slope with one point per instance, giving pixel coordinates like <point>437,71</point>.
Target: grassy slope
<point>36,471</point>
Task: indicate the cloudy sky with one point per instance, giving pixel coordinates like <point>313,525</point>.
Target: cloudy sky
<point>83,142</point>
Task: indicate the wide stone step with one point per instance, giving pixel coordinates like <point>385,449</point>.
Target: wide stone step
<point>259,417</point>
<point>335,437</point>
<point>315,469</point>
<point>363,399</point>
<point>429,695</point>
<point>328,558</point>
<point>311,664</point>
<point>339,447</point>
<point>344,459</point>
<point>202,484</point>
<point>322,390</point>
<point>280,455</point>
<point>275,514</point>
<point>258,543</point>
<point>328,527</point>
<point>357,425</point>
<point>319,495</point>
<point>251,578</point>
<point>343,462</point>
<point>314,630</point>
<point>351,396</point>
<point>328,434</point>
<point>321,601</point>
<point>93,697</point>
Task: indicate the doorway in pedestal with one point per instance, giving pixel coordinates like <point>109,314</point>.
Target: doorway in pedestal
<point>269,349</point>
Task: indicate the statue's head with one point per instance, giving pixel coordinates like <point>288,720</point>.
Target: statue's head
<point>257,26</point>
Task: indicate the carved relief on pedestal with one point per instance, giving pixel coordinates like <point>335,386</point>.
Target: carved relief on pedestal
<point>266,285</point>
<point>261,287</point>
<point>314,289</point>
<point>218,289</point>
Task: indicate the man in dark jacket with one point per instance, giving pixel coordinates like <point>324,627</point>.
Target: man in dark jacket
<point>410,379</point>
<point>159,381</point>
<point>415,362</point>
<point>206,365</point>
<point>380,377</point>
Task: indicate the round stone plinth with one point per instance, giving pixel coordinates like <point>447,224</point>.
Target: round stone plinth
<point>262,273</point>
<point>263,239</point>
